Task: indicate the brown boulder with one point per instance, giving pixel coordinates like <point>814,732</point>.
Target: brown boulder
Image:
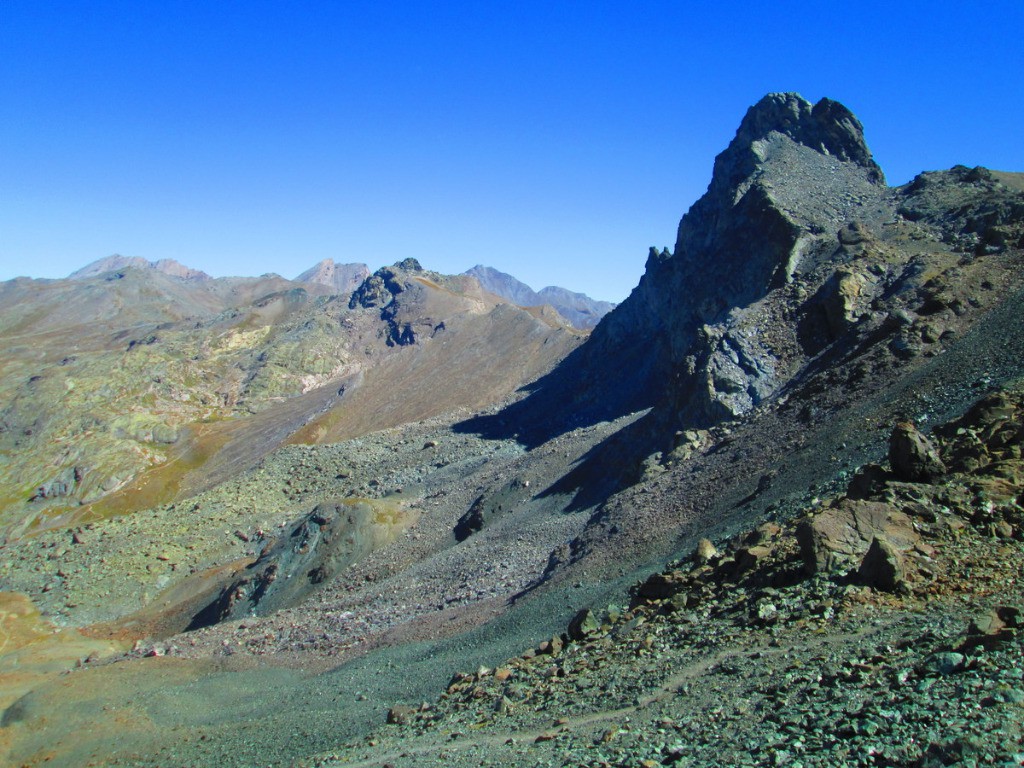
<point>839,537</point>
<point>748,558</point>
<point>882,567</point>
<point>400,714</point>
<point>661,585</point>
<point>705,552</point>
<point>913,456</point>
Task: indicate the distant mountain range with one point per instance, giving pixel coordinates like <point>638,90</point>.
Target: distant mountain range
<point>116,262</point>
<point>579,309</point>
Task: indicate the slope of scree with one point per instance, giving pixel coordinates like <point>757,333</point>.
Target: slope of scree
<point>882,627</point>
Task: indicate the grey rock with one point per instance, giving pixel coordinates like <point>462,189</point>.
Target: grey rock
<point>583,623</point>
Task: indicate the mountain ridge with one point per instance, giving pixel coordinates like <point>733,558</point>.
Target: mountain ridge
<point>115,262</point>
<point>579,309</point>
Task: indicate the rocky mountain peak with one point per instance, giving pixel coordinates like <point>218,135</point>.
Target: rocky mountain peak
<point>797,246</point>
<point>827,127</point>
<point>344,278</point>
<point>696,327</point>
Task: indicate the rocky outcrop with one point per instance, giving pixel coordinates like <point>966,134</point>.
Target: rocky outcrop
<point>712,312</point>
<point>63,484</point>
<point>381,290</point>
<point>377,290</point>
<point>839,538</point>
<point>310,552</point>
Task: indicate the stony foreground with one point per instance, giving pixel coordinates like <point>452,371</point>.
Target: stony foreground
<point>880,629</point>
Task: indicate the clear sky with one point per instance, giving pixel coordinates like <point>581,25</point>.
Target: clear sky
<point>552,140</point>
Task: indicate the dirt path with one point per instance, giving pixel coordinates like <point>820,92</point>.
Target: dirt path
<point>666,691</point>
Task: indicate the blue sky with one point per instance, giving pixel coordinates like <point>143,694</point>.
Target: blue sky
<point>555,141</point>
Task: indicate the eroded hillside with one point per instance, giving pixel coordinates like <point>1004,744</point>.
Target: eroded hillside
<point>132,387</point>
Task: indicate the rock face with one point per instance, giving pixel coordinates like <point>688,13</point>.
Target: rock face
<point>328,539</point>
<point>705,324</point>
<point>382,290</point>
<point>579,309</point>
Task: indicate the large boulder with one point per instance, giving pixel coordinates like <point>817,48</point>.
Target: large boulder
<point>883,566</point>
<point>913,457</point>
<point>837,539</point>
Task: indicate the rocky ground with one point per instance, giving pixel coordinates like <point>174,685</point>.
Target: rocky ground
<point>880,630</point>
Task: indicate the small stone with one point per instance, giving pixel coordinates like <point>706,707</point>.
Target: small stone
<point>766,610</point>
<point>400,714</point>
<point>552,647</point>
<point>945,663</point>
<point>583,623</point>
<point>705,552</point>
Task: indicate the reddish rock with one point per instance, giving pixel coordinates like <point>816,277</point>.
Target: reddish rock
<point>839,537</point>
<point>747,558</point>
<point>913,456</point>
<point>882,567</point>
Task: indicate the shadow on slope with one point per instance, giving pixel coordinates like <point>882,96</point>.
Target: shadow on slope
<point>579,392</point>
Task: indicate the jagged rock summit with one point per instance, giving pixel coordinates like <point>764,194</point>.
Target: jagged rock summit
<point>704,328</point>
